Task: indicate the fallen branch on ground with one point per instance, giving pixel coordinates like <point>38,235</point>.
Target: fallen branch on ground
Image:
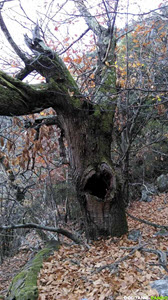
<point>162,256</point>
<point>113,267</point>
<point>46,228</point>
<point>147,222</point>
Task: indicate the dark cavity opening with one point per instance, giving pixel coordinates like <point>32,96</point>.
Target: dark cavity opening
<point>98,185</point>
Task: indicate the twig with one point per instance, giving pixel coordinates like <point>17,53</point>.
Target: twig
<point>78,39</point>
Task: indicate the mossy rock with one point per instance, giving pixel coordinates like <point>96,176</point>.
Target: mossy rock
<point>24,285</point>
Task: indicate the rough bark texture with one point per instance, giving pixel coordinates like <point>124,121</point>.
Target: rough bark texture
<point>98,184</point>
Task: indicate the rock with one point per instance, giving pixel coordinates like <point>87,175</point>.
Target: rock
<point>145,196</point>
<point>148,190</point>
<point>161,286</point>
<point>162,183</point>
<point>134,235</point>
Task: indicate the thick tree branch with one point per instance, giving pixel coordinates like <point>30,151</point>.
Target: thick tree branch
<point>61,91</point>
<point>89,19</point>
<point>24,72</point>
<point>48,121</point>
<point>46,228</point>
<point>111,29</point>
<point>19,98</point>
<point>36,44</point>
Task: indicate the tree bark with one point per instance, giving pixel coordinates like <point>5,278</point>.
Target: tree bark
<point>98,183</point>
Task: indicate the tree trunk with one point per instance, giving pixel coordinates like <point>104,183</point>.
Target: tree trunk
<point>98,184</point>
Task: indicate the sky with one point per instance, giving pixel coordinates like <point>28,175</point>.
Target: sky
<point>34,11</point>
<point>145,5</point>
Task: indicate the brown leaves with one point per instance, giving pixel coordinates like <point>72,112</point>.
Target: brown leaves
<point>70,273</point>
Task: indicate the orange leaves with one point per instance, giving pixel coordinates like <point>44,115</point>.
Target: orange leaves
<point>67,59</point>
<point>66,39</point>
<point>2,141</point>
<point>135,41</point>
<point>78,60</point>
<point>139,28</point>
<point>9,145</point>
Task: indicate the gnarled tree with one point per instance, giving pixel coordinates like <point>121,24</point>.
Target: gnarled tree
<point>87,125</point>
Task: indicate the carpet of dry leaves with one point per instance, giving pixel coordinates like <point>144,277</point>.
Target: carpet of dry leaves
<point>73,273</point>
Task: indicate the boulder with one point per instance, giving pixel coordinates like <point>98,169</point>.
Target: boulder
<point>162,183</point>
<point>161,286</point>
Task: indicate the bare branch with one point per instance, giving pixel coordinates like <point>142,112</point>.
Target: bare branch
<point>46,228</point>
<point>80,37</point>
<point>11,41</point>
<point>48,121</point>
<point>24,72</point>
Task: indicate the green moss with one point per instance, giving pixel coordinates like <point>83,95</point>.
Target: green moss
<point>76,102</point>
<point>14,85</point>
<point>97,112</point>
<point>24,285</point>
<point>109,84</point>
<point>68,88</point>
<point>107,121</point>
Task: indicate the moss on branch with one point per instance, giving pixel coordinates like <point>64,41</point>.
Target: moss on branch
<point>24,285</point>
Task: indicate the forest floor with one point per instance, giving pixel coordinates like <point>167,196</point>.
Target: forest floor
<point>106,269</point>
